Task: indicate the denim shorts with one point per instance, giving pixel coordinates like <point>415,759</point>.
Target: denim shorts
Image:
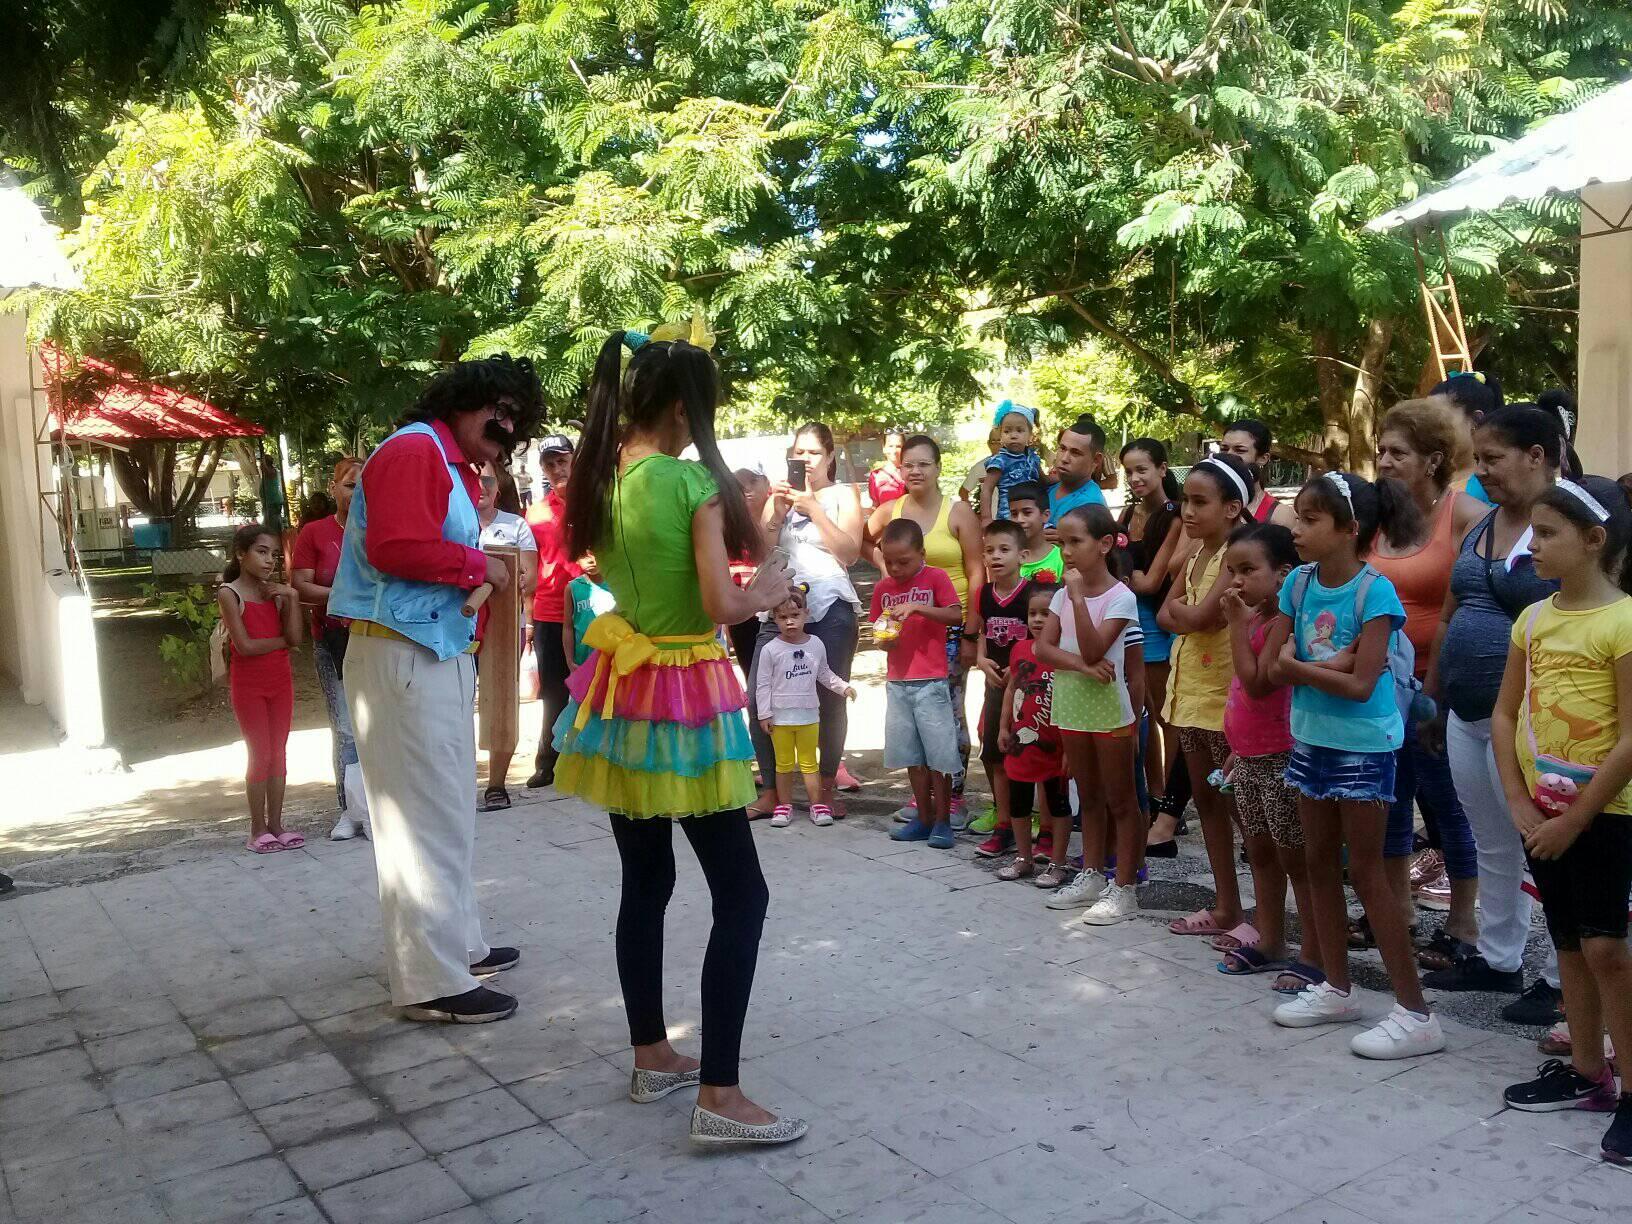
<point>1331,773</point>
<point>918,726</point>
<point>1158,641</point>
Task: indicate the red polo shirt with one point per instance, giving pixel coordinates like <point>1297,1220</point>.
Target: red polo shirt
<point>406,485</point>
<point>548,519</point>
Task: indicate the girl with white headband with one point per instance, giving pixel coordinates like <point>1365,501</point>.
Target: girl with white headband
<point>1562,730</point>
<point>1217,492</point>
<point>1339,618</point>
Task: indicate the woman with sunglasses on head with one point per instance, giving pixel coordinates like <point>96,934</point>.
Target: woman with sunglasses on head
<point>499,509</point>
<point>408,565</point>
<point>654,732</point>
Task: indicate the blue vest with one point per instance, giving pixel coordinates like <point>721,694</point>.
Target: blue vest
<point>429,613</point>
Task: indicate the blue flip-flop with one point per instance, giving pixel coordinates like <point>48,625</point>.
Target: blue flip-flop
<point>1306,973</point>
<point>1246,961</point>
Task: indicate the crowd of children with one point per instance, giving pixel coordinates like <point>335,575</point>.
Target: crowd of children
<point>1290,687</point>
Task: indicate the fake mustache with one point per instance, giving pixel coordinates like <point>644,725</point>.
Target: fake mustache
<point>505,438</point>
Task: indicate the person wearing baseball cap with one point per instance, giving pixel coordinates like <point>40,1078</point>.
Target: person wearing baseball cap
<point>556,568</point>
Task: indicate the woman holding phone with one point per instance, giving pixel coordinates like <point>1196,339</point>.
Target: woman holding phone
<point>817,525</point>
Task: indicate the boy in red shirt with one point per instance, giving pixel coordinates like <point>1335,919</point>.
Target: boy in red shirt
<point>913,604</point>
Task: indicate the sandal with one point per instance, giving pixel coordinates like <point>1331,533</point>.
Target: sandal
<point>1247,960</point>
<point>1199,923</point>
<point>495,799</point>
<point>290,840</point>
<point>1304,974</point>
<point>1020,869</point>
<point>1444,952</point>
<point>1053,876</point>
<point>264,844</point>
<point>1243,936</point>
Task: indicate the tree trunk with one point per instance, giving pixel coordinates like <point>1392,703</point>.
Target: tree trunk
<point>146,474</point>
<point>1349,416</point>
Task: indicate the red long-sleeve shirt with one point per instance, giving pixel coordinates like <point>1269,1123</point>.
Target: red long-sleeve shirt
<point>406,486</point>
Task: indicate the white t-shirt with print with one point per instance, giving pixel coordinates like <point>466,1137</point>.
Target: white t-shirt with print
<point>1116,603</point>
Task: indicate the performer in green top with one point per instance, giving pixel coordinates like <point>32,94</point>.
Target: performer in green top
<point>654,731</point>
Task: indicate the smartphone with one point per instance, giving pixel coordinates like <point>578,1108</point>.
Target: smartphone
<point>796,474</point>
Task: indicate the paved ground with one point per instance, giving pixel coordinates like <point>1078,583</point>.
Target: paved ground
<point>208,1042</point>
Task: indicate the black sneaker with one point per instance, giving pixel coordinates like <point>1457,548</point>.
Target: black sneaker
<point>1557,1086</point>
<point>1474,973</point>
<point>497,960</point>
<point>1537,1007</point>
<point>479,1006</point>
<point>541,777</point>
<point>1617,1145</point>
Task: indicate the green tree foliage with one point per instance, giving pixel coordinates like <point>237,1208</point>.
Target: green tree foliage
<point>874,205</point>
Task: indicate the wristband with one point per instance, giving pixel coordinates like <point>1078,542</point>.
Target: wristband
<point>970,637</point>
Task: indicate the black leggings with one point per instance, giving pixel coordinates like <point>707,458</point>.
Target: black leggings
<point>724,846</point>
<point>1056,799</point>
<point>552,687</point>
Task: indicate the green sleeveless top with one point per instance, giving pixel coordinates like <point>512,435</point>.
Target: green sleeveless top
<point>645,553</point>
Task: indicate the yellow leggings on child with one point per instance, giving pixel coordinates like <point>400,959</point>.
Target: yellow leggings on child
<point>796,748</point>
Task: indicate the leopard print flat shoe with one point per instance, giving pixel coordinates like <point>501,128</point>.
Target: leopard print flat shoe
<point>710,1129</point>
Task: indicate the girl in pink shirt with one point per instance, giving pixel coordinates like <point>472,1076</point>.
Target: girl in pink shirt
<point>1257,714</point>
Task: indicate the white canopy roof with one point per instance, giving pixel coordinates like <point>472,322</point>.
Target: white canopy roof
<point>1590,144</point>
<point>30,247</point>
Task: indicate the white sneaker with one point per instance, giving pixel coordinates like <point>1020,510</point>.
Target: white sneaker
<point>1401,1035</point>
<point>1322,1003</point>
<point>1087,888</point>
<point>782,816</point>
<point>1117,905</point>
<point>344,829</point>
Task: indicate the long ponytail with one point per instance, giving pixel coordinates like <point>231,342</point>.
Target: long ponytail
<point>659,373</point>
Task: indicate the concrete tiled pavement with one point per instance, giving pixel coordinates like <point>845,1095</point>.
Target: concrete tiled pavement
<point>208,1042</point>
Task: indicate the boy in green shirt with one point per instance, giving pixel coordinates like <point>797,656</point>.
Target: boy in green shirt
<point>1028,506</point>
<point>586,599</point>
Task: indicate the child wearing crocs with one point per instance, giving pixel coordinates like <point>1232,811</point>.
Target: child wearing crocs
<point>262,620</point>
<point>1336,642</point>
<point>791,665</point>
<point>1085,641</point>
<point>913,606</point>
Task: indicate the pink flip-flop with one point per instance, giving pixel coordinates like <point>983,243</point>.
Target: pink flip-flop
<point>264,844</point>
<point>290,840</point>
<point>1199,923</point>
<point>1244,936</point>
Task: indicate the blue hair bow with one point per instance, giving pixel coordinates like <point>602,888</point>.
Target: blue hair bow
<point>1008,406</point>
<point>633,340</point>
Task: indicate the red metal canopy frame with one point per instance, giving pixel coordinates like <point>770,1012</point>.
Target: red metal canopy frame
<point>93,401</point>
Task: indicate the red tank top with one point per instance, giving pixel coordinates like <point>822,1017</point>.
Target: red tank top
<point>1267,507</point>
<point>1422,578</point>
<point>261,620</point>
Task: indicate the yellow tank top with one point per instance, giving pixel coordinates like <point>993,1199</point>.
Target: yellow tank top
<point>941,548</point>
<point>1202,664</point>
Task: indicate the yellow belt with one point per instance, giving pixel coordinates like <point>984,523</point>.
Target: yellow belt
<point>364,628</point>
<point>621,650</point>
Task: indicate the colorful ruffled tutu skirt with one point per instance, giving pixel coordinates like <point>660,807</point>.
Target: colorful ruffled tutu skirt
<point>654,726</point>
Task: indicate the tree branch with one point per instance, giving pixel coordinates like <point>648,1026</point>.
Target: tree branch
<point>1187,402</point>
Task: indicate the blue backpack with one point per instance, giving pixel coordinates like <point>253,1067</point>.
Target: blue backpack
<point>1402,656</point>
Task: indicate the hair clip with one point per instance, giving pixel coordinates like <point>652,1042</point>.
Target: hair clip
<point>695,332</point>
<point>1594,507</point>
<point>1218,465</point>
<point>1342,483</point>
<point>634,341</point>
<point>1008,406</point>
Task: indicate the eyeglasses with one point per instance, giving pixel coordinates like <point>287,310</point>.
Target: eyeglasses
<point>490,482</point>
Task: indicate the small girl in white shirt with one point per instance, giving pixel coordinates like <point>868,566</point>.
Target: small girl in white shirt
<point>791,665</point>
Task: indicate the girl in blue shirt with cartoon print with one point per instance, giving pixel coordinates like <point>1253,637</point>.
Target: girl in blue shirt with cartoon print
<point>1332,641</point>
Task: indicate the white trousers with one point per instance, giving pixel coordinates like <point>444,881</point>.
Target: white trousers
<point>411,715</point>
<point>1504,907</point>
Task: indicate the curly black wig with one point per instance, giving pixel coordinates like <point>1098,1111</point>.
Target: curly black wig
<point>467,386</point>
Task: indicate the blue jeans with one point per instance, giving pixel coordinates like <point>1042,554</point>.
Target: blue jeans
<point>1425,777</point>
<point>329,657</point>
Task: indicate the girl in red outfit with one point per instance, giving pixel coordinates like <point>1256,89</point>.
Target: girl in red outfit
<point>263,621</point>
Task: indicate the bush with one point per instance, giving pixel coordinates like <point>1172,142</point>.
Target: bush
<point>187,653</point>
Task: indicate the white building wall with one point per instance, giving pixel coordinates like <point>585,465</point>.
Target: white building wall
<point>47,631</point>
<point>1604,438</point>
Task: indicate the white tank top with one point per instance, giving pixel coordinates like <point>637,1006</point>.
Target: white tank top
<point>812,562</point>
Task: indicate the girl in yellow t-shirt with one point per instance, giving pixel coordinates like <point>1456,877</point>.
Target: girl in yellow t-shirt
<point>1217,492</point>
<point>1562,734</point>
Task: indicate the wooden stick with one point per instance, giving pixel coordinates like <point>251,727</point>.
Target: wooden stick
<point>477,598</point>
